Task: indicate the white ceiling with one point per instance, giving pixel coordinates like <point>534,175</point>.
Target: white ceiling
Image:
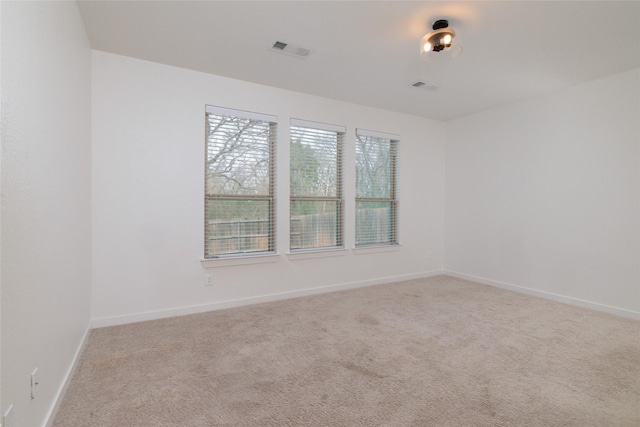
<point>366,52</point>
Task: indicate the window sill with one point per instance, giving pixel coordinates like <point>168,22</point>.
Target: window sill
<point>239,260</point>
<point>375,249</point>
<point>316,253</point>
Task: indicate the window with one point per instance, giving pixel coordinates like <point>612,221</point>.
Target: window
<point>239,182</point>
<point>316,185</point>
<point>376,192</point>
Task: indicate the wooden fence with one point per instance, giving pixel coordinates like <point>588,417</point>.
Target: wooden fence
<point>306,231</point>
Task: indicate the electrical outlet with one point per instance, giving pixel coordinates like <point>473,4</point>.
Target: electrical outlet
<point>208,280</point>
<point>7,418</point>
<point>34,383</point>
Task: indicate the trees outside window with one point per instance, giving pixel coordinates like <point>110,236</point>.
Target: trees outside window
<point>316,185</point>
<point>376,192</point>
<point>239,182</point>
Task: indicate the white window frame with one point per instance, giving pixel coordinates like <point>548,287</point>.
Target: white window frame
<point>393,192</point>
<point>258,256</point>
<point>338,198</point>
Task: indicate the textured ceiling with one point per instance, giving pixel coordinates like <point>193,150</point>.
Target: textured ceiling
<point>367,52</point>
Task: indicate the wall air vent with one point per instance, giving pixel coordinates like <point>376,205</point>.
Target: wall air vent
<point>288,48</point>
<point>425,85</point>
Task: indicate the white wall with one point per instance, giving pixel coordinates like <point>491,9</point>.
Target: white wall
<point>544,195</point>
<point>147,194</point>
<point>45,201</point>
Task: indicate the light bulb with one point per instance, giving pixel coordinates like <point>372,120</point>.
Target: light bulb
<point>446,39</point>
<point>427,47</point>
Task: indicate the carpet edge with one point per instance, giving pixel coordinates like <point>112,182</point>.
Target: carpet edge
<point>603,308</point>
<point>59,397</point>
<point>203,308</point>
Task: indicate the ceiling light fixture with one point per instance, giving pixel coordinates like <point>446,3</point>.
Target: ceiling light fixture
<point>440,43</point>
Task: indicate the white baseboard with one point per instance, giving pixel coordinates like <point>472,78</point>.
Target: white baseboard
<point>548,295</point>
<point>202,308</point>
<point>67,380</point>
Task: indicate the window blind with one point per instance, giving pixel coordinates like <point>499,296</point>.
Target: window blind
<point>316,219</point>
<point>239,182</point>
<point>376,188</point>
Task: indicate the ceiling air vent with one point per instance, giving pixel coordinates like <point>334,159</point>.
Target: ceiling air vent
<point>279,45</point>
<point>288,48</point>
<point>425,85</point>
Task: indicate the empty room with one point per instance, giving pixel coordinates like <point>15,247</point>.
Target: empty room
<point>319,213</point>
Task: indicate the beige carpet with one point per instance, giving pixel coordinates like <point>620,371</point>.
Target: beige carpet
<point>432,352</point>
